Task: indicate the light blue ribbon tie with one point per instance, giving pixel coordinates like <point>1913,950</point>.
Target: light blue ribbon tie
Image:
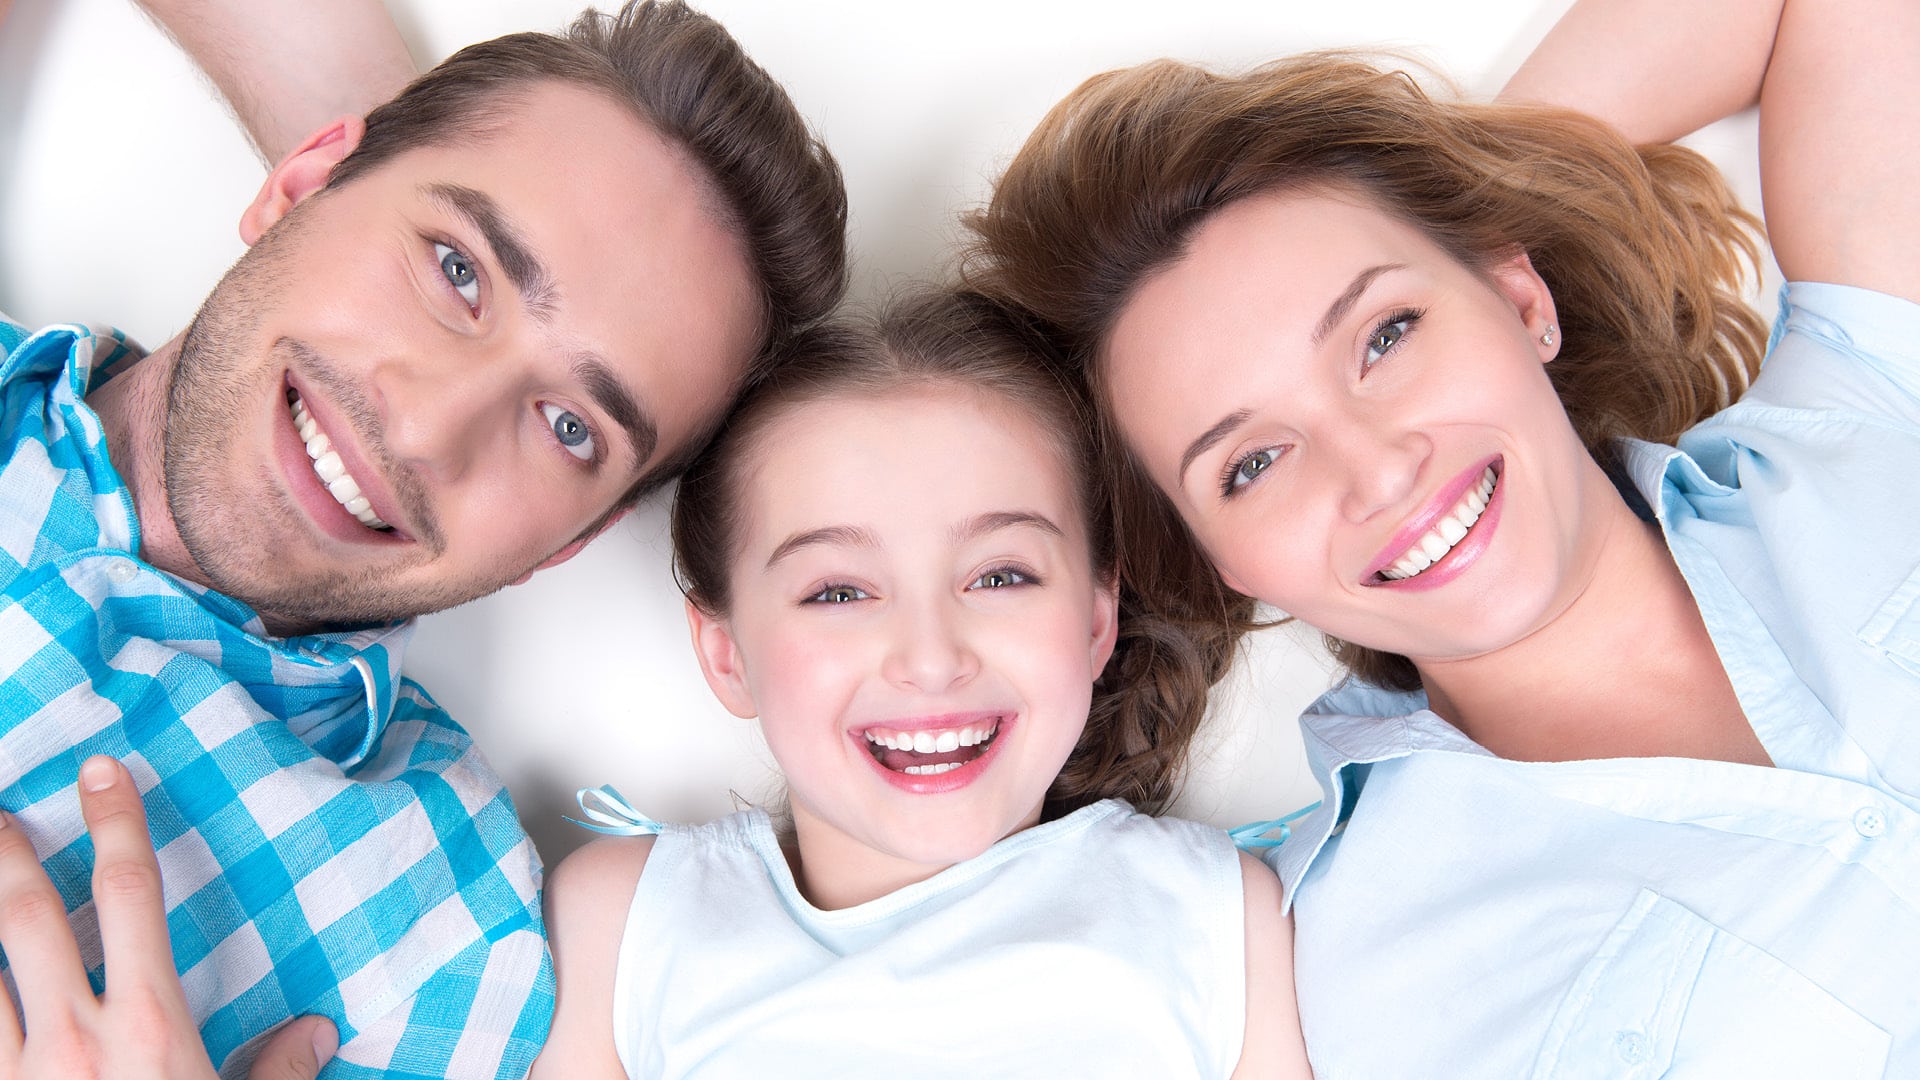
<point>1254,833</point>
<point>608,812</point>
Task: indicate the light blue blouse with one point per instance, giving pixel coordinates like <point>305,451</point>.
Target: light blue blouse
<point>1460,915</point>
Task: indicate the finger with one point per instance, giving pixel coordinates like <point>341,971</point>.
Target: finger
<point>297,1050</point>
<point>10,1037</point>
<point>126,882</point>
<point>35,935</point>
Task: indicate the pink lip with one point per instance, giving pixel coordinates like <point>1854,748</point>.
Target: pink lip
<point>952,779</point>
<point>313,496</point>
<point>1456,561</point>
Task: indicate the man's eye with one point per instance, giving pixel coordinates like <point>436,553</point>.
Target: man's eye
<point>570,430</point>
<point>459,272</point>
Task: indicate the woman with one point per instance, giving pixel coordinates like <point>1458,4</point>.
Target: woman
<point>1626,774</point>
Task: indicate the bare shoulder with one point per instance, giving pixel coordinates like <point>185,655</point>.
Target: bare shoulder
<point>1273,1046</point>
<point>587,898</point>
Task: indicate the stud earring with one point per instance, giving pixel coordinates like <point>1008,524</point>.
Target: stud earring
<point>1547,338</point>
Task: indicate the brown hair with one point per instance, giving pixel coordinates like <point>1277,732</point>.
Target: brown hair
<point>1644,250</point>
<point>772,180</point>
<point>1151,698</point>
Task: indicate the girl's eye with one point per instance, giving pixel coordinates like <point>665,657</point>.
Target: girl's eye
<point>1245,470</point>
<point>572,431</point>
<point>1388,335</point>
<point>837,594</point>
<point>1000,579</point>
<point>459,272</point>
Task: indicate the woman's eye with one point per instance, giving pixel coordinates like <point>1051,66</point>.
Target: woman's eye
<point>1389,335</point>
<point>459,272</point>
<point>1000,579</point>
<point>1248,469</point>
<point>837,594</point>
<point>570,430</point>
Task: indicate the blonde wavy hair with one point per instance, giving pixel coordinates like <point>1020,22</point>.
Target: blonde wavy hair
<point>1645,249</point>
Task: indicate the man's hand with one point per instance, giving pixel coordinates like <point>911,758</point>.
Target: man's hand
<point>141,1026</point>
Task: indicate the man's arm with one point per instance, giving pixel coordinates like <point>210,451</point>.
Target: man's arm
<point>144,1028</point>
<point>289,66</point>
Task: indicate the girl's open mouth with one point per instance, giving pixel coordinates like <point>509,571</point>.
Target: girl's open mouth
<point>931,751</point>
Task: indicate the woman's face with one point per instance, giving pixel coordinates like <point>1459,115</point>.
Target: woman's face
<point>1326,396</point>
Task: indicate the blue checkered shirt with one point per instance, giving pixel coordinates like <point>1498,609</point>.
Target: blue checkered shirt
<point>331,841</point>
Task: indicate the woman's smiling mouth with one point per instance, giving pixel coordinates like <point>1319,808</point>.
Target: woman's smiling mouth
<point>1448,531</point>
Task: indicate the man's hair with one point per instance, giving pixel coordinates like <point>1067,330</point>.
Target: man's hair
<point>772,181</point>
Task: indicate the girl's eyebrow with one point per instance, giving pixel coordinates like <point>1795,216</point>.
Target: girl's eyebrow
<point>993,521</point>
<point>843,535</point>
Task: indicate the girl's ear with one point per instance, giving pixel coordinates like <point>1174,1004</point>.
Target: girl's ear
<point>300,174</point>
<point>1523,287</point>
<point>720,662</point>
<point>1106,622</point>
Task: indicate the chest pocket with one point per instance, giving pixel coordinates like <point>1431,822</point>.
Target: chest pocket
<point>1669,994</point>
<point>1895,627</point>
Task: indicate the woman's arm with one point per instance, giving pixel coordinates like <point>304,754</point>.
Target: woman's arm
<point>289,66</point>
<point>1838,83</point>
<point>1652,68</point>
<point>587,898</point>
<point>1274,1046</point>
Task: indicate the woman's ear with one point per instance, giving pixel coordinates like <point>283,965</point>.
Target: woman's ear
<point>1523,287</point>
<point>300,174</point>
<point>720,662</point>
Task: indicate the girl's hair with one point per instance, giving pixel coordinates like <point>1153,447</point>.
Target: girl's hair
<point>1151,698</point>
<point>1644,249</point>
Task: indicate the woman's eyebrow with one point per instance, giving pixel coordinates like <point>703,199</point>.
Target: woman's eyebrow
<point>1345,301</point>
<point>1210,438</point>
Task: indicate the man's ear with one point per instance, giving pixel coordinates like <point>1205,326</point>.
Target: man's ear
<point>720,662</point>
<point>1521,284</point>
<point>300,174</point>
<point>572,548</point>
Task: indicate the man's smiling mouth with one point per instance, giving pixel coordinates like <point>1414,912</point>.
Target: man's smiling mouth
<point>931,751</point>
<point>329,468</point>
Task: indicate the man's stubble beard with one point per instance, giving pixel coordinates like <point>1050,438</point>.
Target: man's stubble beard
<point>214,386</point>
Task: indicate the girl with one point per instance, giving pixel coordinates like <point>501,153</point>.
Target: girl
<point>895,556</point>
<point>1629,751</point>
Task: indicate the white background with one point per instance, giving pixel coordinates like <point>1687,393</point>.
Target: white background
<point>125,178</point>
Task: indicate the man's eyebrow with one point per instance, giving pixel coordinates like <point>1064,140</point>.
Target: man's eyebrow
<point>1345,301</point>
<point>843,535</point>
<point>619,403</point>
<point>522,267</point>
<point>982,524</point>
<point>1210,438</point>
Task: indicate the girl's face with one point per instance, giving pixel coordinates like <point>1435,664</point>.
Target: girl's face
<point>1326,396</point>
<point>916,622</point>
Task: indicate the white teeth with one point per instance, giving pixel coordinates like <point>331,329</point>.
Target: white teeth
<point>1448,531</point>
<point>331,470</point>
<point>931,770</point>
<point>933,742</point>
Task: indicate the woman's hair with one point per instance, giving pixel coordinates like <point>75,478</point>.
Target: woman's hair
<point>1645,251</point>
<point>1151,698</point>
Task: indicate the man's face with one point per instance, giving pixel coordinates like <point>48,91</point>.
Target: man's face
<point>423,384</point>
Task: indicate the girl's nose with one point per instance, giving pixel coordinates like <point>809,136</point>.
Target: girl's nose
<point>928,652</point>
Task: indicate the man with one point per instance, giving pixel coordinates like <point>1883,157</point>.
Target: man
<point>469,331</point>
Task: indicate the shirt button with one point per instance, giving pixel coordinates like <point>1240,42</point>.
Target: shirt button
<point>1869,822</point>
<point>1631,1046</point>
<point>122,572</point>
